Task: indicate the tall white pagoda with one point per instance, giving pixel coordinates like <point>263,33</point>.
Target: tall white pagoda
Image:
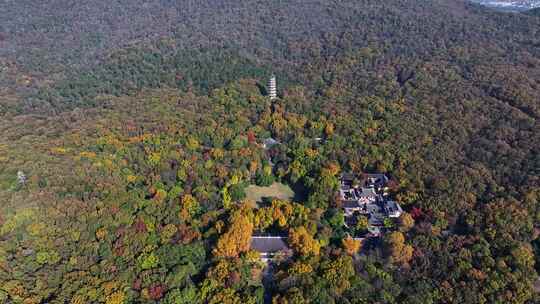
<point>272,88</point>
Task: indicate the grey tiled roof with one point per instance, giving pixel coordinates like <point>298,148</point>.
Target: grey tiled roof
<point>347,176</point>
<point>377,179</point>
<point>268,243</point>
<point>391,207</point>
<point>380,176</point>
<point>350,204</point>
<point>367,192</point>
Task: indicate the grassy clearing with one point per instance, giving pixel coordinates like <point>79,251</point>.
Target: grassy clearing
<point>276,190</point>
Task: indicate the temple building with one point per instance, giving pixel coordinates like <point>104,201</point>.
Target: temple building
<point>268,246</point>
<point>367,195</point>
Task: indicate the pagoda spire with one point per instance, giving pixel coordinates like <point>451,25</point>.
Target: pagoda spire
<point>272,87</point>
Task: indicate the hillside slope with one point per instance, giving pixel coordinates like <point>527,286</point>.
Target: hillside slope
<point>138,126</point>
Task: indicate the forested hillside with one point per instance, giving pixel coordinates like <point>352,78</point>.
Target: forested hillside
<point>131,129</point>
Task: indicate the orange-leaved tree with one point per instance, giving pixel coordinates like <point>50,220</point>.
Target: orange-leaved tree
<point>351,245</point>
<point>237,238</point>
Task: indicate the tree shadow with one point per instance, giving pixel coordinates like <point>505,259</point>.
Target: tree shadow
<point>262,89</point>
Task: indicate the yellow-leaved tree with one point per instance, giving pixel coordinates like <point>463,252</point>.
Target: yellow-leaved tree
<point>406,222</point>
<point>303,242</point>
<point>398,252</point>
<point>237,239</point>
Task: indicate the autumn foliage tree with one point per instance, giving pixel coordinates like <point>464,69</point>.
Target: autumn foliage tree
<point>303,242</point>
<point>237,238</point>
<point>406,222</point>
<point>338,272</point>
<point>190,207</point>
<point>398,252</point>
<point>351,245</point>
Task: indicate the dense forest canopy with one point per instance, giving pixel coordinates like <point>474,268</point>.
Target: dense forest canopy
<point>132,129</point>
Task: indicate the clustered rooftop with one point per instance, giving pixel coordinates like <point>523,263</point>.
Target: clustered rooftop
<point>368,195</point>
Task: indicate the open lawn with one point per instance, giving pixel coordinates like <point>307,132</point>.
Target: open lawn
<point>276,190</point>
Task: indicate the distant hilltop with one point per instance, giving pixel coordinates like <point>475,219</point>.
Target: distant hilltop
<point>516,5</point>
